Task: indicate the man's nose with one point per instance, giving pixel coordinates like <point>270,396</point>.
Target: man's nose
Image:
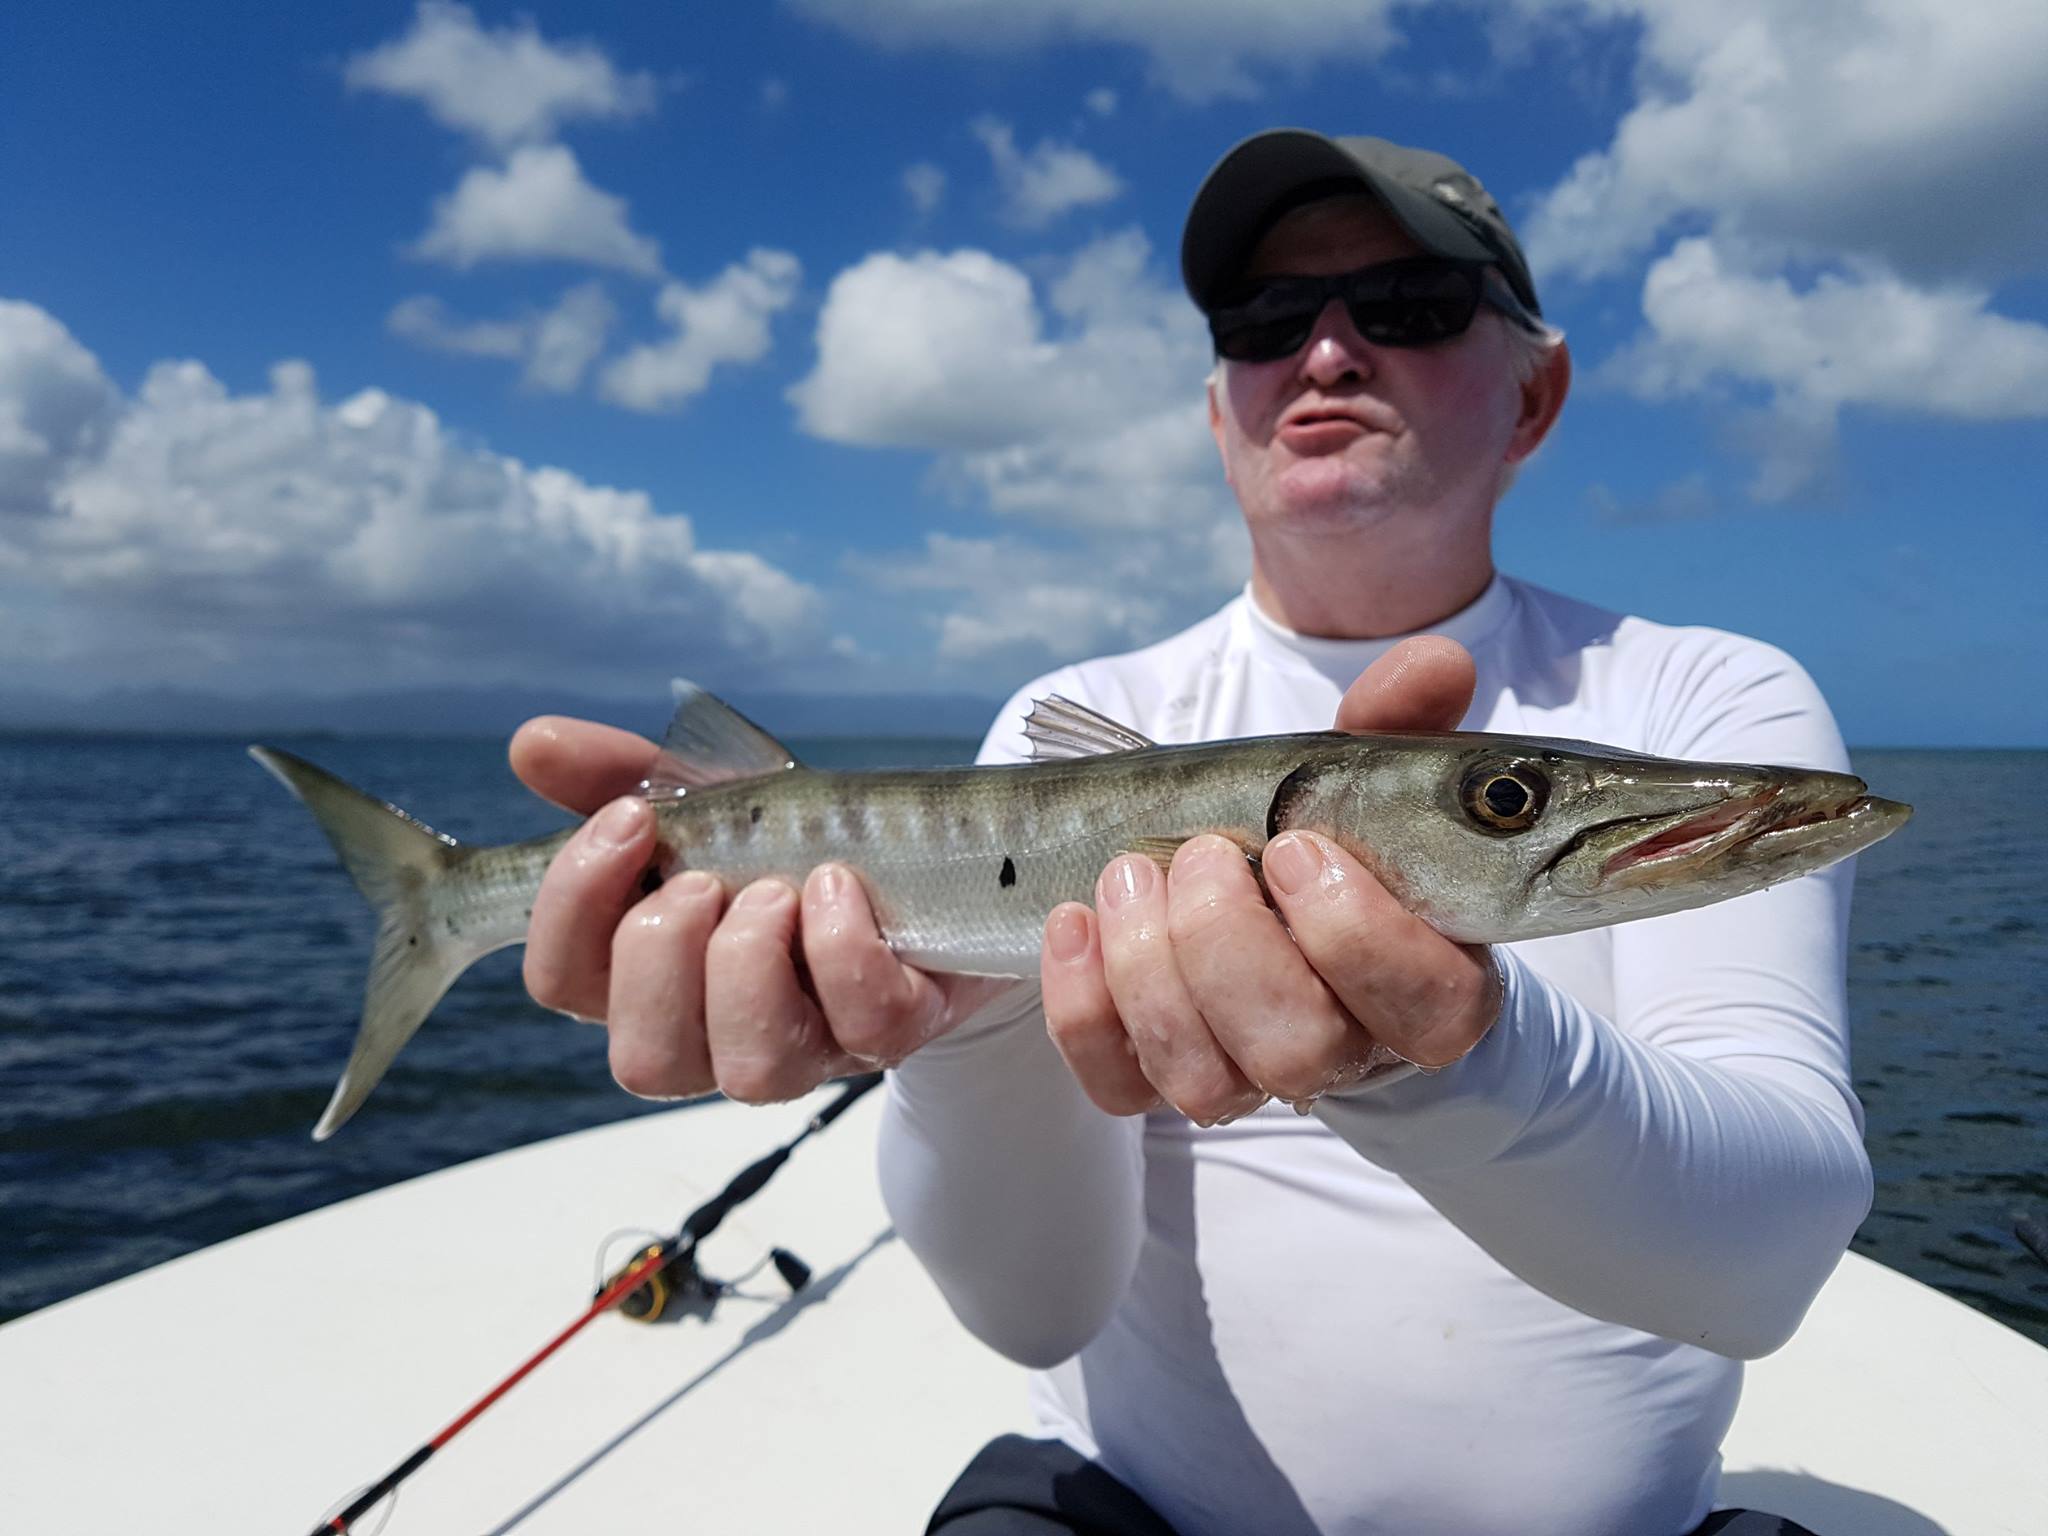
<point>1335,352</point>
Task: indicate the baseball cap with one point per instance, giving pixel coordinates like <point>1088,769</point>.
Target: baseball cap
<point>1439,202</point>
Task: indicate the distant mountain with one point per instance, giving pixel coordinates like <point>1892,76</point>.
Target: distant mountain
<point>476,712</point>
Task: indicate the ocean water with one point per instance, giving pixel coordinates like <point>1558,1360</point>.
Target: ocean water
<point>181,958</point>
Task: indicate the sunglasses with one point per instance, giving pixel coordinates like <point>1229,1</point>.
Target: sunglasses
<point>1409,303</point>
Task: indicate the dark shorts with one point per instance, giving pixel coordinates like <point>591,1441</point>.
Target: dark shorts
<point>1021,1487</point>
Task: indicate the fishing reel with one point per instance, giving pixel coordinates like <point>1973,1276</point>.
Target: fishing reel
<point>679,1286</point>
<point>662,1278</point>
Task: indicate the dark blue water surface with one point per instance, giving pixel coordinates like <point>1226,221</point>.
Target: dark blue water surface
<point>181,958</point>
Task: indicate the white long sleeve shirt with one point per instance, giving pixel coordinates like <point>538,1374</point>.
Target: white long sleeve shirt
<point>1510,1296</point>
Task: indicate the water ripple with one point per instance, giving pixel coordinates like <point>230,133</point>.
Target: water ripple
<point>180,975</point>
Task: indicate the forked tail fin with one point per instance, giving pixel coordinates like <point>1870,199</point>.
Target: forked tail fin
<point>395,861</point>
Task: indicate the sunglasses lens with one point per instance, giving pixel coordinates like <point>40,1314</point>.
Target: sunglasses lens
<point>1417,305</point>
<point>1274,320</point>
<point>1396,304</point>
<point>1260,341</point>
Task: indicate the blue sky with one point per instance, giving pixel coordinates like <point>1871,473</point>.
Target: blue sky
<point>838,346</point>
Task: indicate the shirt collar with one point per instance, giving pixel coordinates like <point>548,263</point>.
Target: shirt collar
<point>1342,660</point>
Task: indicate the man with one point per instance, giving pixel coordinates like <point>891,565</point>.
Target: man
<point>1498,1275</point>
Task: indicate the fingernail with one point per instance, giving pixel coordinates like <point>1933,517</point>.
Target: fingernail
<point>1127,879</point>
<point>761,895</point>
<point>831,883</point>
<point>1066,935</point>
<point>695,884</point>
<point>618,824</point>
<point>1206,855</point>
<point>1291,862</point>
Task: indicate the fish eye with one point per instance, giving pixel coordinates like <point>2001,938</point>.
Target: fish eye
<point>1505,797</point>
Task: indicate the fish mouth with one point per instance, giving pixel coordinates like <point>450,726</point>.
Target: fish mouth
<point>1782,828</point>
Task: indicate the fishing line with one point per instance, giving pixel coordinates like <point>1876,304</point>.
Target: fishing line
<point>647,1235</point>
<point>732,1286</point>
<point>665,1270</point>
<point>389,1509</point>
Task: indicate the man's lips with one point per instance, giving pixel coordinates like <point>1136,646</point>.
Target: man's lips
<point>1322,430</point>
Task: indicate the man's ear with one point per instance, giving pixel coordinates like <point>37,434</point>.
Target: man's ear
<point>1542,398</point>
<point>1215,383</point>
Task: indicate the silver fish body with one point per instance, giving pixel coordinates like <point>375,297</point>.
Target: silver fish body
<point>1487,838</point>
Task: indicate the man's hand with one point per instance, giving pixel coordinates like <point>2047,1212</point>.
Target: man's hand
<point>1187,987</point>
<point>700,992</point>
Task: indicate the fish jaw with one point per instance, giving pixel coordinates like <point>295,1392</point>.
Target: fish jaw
<point>1780,824</point>
<point>1786,849</point>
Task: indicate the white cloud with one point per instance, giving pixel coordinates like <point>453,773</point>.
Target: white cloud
<point>925,185</point>
<point>1015,600</point>
<point>1045,617</point>
<point>273,539</point>
<point>537,208</point>
<point>725,321</point>
<point>504,85</point>
<point>1791,444</point>
<point>774,94</point>
<point>556,346</point>
<point>1849,338</point>
<point>1086,412</point>
<point>1010,606</point>
<point>1895,130</point>
<point>928,351</point>
<point>1687,499</point>
<point>55,406</point>
<point>1101,101</point>
<point>1199,49</point>
<point>1841,186</point>
<point>1846,339</point>
<point>1079,413</point>
<point>566,339</point>
<point>1049,181</point>
<point>424,320</point>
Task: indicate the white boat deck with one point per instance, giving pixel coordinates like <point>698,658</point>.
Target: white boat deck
<point>253,1386</point>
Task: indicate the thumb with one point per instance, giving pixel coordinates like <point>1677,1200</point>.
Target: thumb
<point>1423,684</point>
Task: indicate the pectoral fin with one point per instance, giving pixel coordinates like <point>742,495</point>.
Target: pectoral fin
<point>1160,850</point>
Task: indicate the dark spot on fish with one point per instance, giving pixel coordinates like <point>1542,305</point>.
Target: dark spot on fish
<point>849,822</point>
<point>529,912</point>
<point>1008,876</point>
<point>412,940</point>
<point>753,815</point>
<point>650,880</point>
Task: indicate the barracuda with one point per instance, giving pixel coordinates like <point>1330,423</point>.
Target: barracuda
<point>1487,838</point>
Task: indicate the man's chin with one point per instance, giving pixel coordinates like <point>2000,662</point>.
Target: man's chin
<point>1330,494</point>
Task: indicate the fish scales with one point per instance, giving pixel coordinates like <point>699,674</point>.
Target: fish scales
<point>932,845</point>
<point>1486,838</point>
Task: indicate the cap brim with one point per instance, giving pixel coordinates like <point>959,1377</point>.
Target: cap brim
<point>1263,176</point>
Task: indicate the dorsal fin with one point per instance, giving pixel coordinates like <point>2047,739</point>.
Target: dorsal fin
<point>1059,728</point>
<point>710,742</point>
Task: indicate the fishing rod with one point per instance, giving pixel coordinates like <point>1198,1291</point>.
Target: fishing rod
<point>643,1289</point>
